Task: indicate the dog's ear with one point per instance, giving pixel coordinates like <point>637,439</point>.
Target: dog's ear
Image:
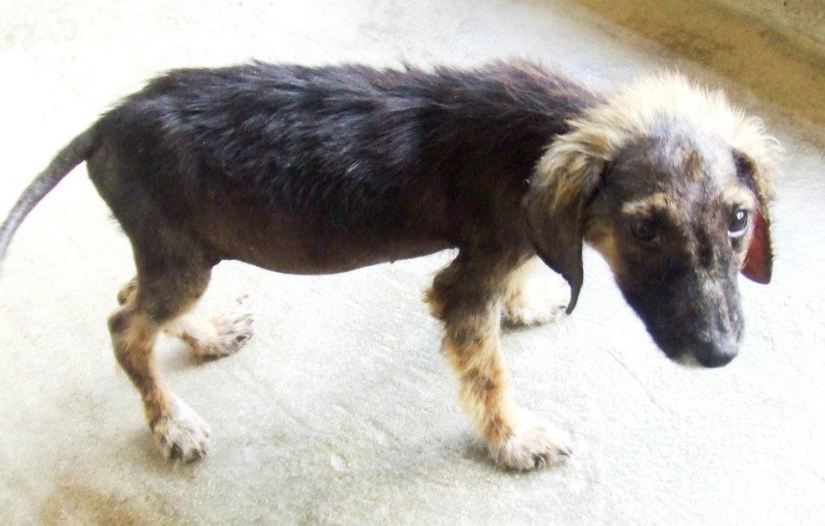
<point>758,262</point>
<point>555,205</point>
<point>757,158</point>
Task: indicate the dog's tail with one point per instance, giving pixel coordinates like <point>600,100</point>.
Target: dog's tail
<point>64,162</point>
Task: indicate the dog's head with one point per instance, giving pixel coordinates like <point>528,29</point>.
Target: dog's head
<point>672,187</point>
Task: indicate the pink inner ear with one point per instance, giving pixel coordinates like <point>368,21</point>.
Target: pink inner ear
<point>759,259</point>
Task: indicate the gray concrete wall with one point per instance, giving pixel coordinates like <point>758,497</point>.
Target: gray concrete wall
<point>750,50</point>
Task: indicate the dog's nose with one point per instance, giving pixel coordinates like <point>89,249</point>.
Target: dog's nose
<point>715,355</point>
<point>716,360</point>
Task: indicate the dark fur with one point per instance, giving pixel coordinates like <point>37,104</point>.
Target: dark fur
<point>318,170</point>
<point>324,170</point>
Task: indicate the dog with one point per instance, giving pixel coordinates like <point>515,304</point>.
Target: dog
<point>313,170</point>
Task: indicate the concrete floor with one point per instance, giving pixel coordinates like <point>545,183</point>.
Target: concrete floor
<point>341,410</point>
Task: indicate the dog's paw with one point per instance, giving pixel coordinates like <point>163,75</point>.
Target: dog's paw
<point>543,301</point>
<point>181,434</point>
<point>229,334</point>
<point>534,447</point>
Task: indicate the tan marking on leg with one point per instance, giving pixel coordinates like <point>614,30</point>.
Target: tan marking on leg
<point>436,296</point>
<point>178,430</point>
<point>436,306</point>
<point>466,296</point>
<point>127,291</point>
<point>484,390</point>
<point>133,338</point>
<point>512,437</point>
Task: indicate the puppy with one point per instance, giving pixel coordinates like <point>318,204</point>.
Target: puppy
<point>314,170</point>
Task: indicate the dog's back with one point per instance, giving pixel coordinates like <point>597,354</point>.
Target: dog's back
<point>312,170</point>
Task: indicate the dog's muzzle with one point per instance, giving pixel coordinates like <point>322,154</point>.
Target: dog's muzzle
<point>707,355</point>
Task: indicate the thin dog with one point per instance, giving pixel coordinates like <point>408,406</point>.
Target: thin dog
<point>313,170</point>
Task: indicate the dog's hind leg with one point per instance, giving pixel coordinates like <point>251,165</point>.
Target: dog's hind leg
<point>534,295</point>
<point>162,291</point>
<point>466,296</point>
<point>216,337</point>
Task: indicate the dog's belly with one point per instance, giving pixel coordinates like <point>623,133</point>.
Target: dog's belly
<point>293,246</point>
<point>333,256</point>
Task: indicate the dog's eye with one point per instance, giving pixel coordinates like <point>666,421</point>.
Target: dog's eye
<point>643,229</point>
<point>738,223</point>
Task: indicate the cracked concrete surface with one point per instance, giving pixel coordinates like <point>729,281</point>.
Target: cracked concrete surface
<point>341,410</point>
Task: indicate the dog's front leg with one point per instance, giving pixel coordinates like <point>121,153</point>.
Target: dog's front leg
<point>469,306</point>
